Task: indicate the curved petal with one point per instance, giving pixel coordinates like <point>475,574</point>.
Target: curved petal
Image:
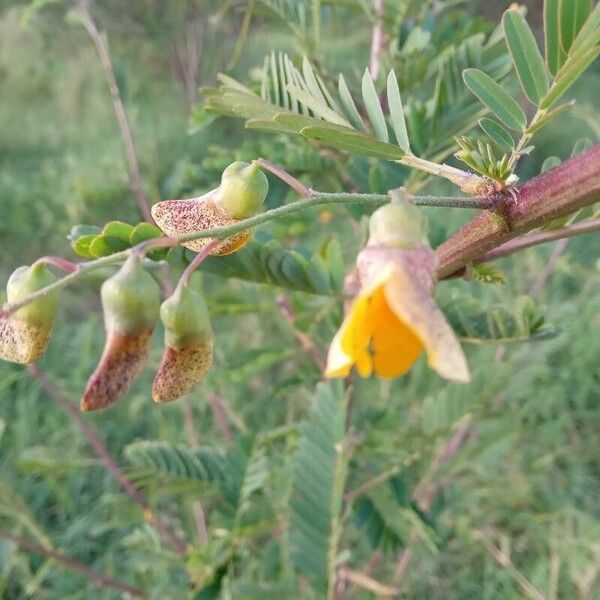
<point>339,363</point>
<point>409,295</point>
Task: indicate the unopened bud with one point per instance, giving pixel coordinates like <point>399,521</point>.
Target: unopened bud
<point>130,302</point>
<point>398,224</point>
<point>242,192</point>
<point>24,334</point>
<point>188,353</point>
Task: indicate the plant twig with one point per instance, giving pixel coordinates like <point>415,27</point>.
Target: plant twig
<point>135,178</point>
<point>218,412</point>
<point>366,582</point>
<point>540,281</point>
<point>307,344</point>
<point>425,491</point>
<point>97,578</point>
<point>504,560</point>
<point>377,38</point>
<point>194,441</point>
<point>197,261</point>
<point>540,237</point>
<point>58,262</point>
<point>107,459</point>
<point>280,172</point>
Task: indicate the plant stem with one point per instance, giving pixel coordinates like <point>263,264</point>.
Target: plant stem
<point>540,237</point>
<point>572,185</point>
<point>316,198</point>
<point>377,38</point>
<point>135,176</point>
<point>197,261</point>
<point>107,459</point>
<point>58,262</point>
<point>98,579</point>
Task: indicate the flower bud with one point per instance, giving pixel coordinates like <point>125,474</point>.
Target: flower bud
<point>242,192</point>
<point>24,334</point>
<point>398,224</point>
<point>130,302</point>
<point>243,189</point>
<point>188,351</point>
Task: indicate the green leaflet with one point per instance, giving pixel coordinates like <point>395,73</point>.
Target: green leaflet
<point>526,56</point>
<point>319,467</point>
<point>495,98</point>
<point>568,75</point>
<point>270,263</point>
<point>397,112</point>
<point>497,133</point>
<point>373,106</point>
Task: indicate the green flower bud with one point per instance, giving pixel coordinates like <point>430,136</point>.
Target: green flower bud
<point>398,224</point>
<point>130,301</point>
<point>243,189</point>
<point>24,335</point>
<point>188,351</point>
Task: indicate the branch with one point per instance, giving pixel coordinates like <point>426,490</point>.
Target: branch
<point>540,237</point>
<point>97,578</point>
<point>572,185</point>
<point>426,489</point>
<point>316,199</point>
<point>377,38</point>
<point>135,178</point>
<point>107,459</point>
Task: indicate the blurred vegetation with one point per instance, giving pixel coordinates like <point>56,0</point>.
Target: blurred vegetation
<point>528,479</point>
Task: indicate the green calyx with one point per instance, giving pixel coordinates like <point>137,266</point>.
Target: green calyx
<point>130,299</point>
<point>243,189</point>
<point>399,224</point>
<point>185,318</point>
<point>25,281</point>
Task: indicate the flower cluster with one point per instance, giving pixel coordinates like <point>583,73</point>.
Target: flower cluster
<point>391,322</point>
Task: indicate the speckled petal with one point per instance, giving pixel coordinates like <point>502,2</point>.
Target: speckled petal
<point>181,370</point>
<point>178,217</point>
<point>121,362</point>
<point>409,294</point>
<point>22,342</point>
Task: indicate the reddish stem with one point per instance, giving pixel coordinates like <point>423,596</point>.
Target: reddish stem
<point>198,260</point>
<point>59,263</point>
<point>559,192</point>
<point>280,172</point>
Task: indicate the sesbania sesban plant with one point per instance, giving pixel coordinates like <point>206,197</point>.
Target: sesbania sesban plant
<point>391,315</point>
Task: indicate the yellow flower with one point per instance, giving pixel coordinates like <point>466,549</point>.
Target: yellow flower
<point>394,317</point>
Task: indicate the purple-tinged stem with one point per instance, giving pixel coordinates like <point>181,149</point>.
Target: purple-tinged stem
<point>559,192</point>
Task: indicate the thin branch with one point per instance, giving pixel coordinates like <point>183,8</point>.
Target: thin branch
<point>377,38</point>
<point>97,578</point>
<point>426,490</point>
<point>366,582</point>
<point>218,412</point>
<point>540,237</point>
<point>542,278</point>
<point>194,442</point>
<point>58,262</point>
<point>280,172</point>
<point>504,560</point>
<point>307,344</point>
<point>107,459</point>
<point>135,177</point>
<point>197,261</point>
<point>370,484</point>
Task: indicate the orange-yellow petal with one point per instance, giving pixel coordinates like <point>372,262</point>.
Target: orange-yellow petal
<point>395,347</point>
<point>339,363</point>
<point>357,334</point>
